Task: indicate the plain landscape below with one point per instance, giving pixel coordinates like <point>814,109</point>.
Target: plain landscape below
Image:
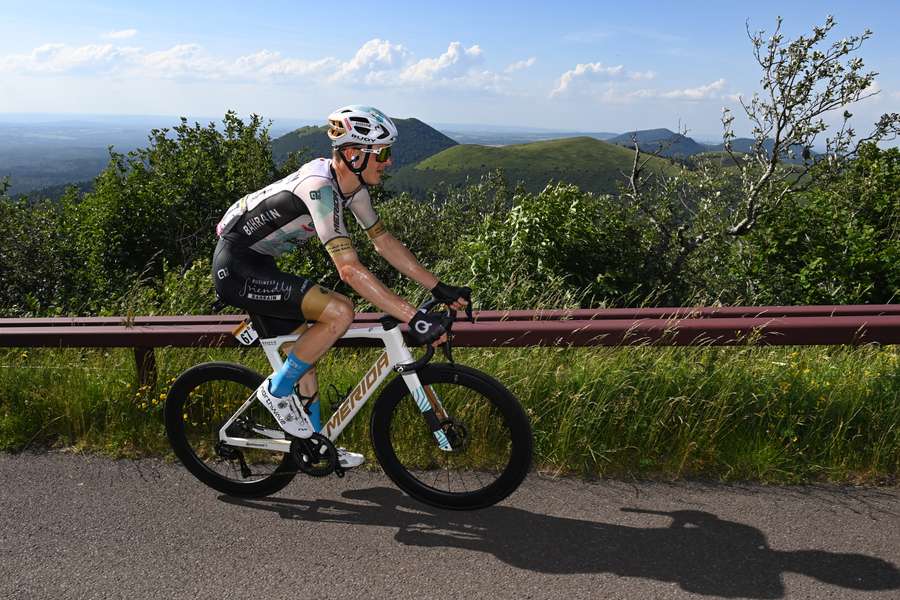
<point>43,154</point>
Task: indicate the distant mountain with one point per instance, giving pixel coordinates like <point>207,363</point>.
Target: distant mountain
<point>591,164</point>
<point>416,142</point>
<point>507,137</point>
<point>663,142</point>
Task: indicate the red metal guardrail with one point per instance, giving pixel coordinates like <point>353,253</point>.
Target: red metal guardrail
<point>675,326</point>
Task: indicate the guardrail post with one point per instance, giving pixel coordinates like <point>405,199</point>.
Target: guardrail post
<point>145,359</point>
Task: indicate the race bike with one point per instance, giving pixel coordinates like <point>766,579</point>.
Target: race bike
<point>446,434</point>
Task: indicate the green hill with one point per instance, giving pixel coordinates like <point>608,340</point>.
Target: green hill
<point>591,164</point>
<point>663,142</point>
<point>417,141</point>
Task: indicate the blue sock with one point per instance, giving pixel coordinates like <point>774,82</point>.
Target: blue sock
<point>315,414</point>
<point>283,381</point>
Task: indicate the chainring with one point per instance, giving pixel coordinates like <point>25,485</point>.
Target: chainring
<point>316,456</point>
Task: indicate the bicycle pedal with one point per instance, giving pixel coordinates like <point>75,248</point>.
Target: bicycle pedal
<point>339,471</point>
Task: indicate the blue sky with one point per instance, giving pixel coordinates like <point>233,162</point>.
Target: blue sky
<point>600,66</point>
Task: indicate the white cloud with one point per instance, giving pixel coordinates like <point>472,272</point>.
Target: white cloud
<point>520,65</point>
<point>618,93</point>
<point>373,55</point>
<point>266,64</point>
<point>376,63</point>
<point>615,93</point>
<point>698,93</point>
<point>60,58</point>
<point>641,75</point>
<point>874,91</point>
<point>585,71</point>
<point>453,63</point>
<point>183,61</point>
<point>123,34</point>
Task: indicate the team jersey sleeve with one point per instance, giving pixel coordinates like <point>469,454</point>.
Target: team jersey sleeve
<point>365,215</point>
<point>327,216</point>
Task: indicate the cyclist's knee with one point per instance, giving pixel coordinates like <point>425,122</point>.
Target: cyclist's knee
<point>339,312</point>
<point>325,306</point>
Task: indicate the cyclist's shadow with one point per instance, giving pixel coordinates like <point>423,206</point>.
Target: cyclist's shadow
<point>697,550</point>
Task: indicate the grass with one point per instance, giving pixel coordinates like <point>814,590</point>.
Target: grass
<point>763,414</point>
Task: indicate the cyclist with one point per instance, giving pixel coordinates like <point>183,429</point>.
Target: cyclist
<point>311,202</point>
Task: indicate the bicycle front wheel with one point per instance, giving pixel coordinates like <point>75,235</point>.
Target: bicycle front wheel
<point>489,432</point>
<point>200,402</point>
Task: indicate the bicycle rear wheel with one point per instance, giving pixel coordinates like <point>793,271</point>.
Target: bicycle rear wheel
<point>200,402</point>
<point>486,425</point>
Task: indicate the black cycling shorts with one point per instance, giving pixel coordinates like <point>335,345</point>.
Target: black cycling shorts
<point>250,280</point>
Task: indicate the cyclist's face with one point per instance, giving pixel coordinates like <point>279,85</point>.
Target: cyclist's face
<point>374,169</point>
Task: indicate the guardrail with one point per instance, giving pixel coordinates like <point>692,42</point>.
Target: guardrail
<point>674,326</point>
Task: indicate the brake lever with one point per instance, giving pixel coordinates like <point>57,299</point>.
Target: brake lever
<point>448,349</point>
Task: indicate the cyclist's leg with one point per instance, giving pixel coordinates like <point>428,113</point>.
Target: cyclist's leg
<point>333,315</point>
<point>252,281</point>
<point>308,386</point>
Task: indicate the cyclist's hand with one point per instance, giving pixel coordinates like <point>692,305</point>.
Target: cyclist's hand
<point>427,328</point>
<point>456,298</point>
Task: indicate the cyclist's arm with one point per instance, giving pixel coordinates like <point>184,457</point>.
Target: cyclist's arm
<point>328,219</point>
<point>399,256</point>
<point>364,282</point>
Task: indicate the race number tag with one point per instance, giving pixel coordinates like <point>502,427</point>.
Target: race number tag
<point>245,333</point>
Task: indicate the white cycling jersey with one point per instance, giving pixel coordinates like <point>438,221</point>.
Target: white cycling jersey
<point>306,203</point>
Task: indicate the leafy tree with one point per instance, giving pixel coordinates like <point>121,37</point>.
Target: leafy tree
<point>802,82</point>
<point>161,203</point>
<point>837,243</point>
<point>561,246</point>
<point>32,255</point>
<point>713,205</point>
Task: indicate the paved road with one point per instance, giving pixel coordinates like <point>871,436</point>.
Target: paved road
<point>88,527</point>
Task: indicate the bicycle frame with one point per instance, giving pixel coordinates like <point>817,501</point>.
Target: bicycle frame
<point>396,353</point>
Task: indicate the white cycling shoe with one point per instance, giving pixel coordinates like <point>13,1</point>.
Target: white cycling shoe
<point>348,459</point>
<point>286,411</point>
<point>296,422</point>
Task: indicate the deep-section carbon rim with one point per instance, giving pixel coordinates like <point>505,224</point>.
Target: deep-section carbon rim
<point>493,440</point>
<point>201,400</point>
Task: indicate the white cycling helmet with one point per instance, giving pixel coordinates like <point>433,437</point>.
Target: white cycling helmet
<point>360,126</point>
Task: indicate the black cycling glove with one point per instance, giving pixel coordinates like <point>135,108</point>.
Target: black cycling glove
<point>425,328</point>
<point>449,294</point>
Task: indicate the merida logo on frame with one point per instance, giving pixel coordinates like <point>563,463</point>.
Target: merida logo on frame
<point>350,402</point>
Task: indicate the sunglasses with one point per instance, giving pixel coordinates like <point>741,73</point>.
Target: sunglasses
<point>381,155</point>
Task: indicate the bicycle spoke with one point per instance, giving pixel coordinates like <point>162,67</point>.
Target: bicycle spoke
<point>486,449</point>
<point>208,408</point>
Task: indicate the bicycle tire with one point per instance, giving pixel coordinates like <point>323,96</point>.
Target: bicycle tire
<point>471,397</point>
<point>192,450</point>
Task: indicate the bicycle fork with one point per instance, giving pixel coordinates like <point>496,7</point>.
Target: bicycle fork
<point>430,405</point>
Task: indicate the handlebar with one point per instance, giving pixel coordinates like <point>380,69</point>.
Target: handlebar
<point>450,316</point>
